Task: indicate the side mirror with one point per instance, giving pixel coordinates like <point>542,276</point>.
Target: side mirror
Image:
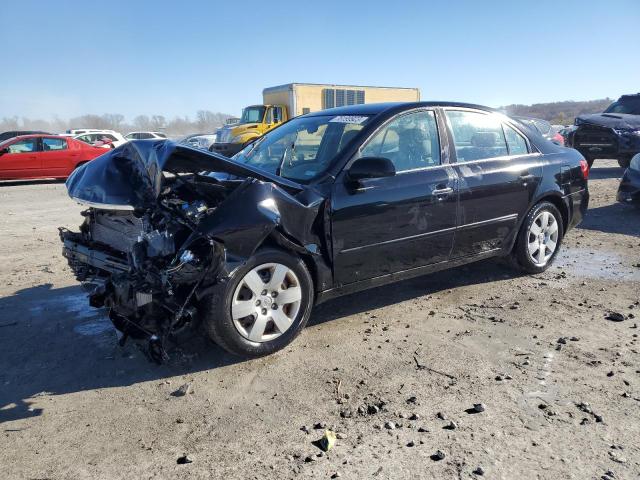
<point>4,150</point>
<point>371,167</point>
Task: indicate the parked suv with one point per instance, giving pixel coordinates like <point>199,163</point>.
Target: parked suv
<point>326,204</point>
<point>615,133</point>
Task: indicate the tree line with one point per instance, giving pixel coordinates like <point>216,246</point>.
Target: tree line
<point>205,121</point>
<point>558,113</point>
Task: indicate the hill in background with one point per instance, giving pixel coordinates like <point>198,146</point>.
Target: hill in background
<point>558,113</point>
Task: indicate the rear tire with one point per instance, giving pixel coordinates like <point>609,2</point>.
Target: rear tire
<point>243,314</point>
<point>539,238</point>
<point>624,162</point>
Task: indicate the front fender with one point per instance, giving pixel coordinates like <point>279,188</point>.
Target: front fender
<point>252,212</point>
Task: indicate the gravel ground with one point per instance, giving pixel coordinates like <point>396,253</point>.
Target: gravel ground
<point>395,371</point>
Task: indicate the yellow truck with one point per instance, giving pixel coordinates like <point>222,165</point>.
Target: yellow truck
<point>287,101</point>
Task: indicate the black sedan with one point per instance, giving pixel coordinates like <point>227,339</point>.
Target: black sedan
<point>326,204</point>
<point>629,190</point>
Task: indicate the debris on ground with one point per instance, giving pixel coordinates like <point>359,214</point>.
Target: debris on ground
<point>439,455</point>
<point>183,390</point>
<point>327,441</point>
<point>615,317</point>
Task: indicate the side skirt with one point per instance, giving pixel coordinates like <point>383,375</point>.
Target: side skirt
<point>403,275</point>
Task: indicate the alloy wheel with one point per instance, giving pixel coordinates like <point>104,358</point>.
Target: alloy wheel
<point>542,238</point>
<point>266,302</point>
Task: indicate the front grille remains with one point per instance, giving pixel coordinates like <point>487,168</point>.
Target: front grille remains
<point>118,230</point>
<point>596,139</point>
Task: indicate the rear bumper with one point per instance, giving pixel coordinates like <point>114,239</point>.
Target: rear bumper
<point>629,190</point>
<point>226,149</point>
<point>577,204</point>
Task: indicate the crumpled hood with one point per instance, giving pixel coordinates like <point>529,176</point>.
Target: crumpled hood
<point>612,120</point>
<point>130,176</point>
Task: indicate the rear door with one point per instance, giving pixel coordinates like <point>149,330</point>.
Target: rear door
<point>57,157</point>
<point>386,225</point>
<point>21,159</point>
<point>498,174</point>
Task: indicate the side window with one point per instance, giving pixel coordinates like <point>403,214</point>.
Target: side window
<point>144,136</point>
<point>476,135</point>
<point>410,141</point>
<point>516,142</point>
<point>49,144</point>
<point>27,145</point>
<point>277,114</point>
<point>269,117</point>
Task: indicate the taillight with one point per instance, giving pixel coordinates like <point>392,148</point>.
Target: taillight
<point>584,166</point>
<point>559,138</point>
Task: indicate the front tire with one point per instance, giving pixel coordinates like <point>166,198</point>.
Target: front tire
<point>539,238</point>
<point>262,307</point>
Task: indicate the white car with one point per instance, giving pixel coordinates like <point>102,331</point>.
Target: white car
<point>102,138</point>
<point>200,141</point>
<point>145,136</point>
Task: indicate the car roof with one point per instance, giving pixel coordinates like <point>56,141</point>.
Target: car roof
<point>38,135</point>
<point>377,108</point>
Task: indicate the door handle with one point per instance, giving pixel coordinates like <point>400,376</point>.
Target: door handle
<point>440,192</point>
<point>526,177</point>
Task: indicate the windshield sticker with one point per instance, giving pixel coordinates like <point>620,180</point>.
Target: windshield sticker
<point>348,119</point>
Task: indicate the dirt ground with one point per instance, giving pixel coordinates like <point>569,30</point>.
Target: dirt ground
<point>560,383</point>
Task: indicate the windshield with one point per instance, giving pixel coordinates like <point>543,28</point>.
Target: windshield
<point>252,114</point>
<point>304,147</point>
<point>626,105</point>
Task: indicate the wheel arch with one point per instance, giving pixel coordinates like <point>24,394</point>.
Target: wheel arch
<point>556,199</point>
<point>312,262</point>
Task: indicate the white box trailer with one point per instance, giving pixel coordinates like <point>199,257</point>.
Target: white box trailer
<point>301,98</point>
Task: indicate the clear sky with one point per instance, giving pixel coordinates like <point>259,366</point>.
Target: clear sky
<point>172,58</point>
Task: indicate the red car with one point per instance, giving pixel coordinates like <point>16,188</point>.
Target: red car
<point>43,156</point>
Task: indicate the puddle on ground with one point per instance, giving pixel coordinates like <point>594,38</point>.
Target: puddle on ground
<point>595,264</point>
<point>76,307</point>
<point>94,328</point>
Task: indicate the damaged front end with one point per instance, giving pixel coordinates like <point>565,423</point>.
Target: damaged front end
<point>160,232</point>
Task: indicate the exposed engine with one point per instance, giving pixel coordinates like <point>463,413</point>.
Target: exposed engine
<point>161,235</point>
<point>146,266</point>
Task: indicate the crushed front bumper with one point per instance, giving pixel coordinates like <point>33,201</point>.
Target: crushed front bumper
<point>79,255</point>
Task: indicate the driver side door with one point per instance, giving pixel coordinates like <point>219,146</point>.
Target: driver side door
<point>381,226</point>
<point>21,160</point>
